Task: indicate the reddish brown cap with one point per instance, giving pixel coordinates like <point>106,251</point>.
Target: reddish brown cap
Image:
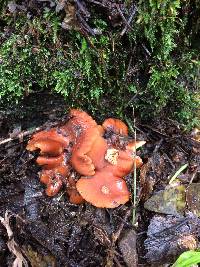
<point>50,162</point>
<point>97,153</point>
<point>46,176</point>
<point>80,160</point>
<point>116,126</point>
<point>121,165</point>
<point>121,162</point>
<point>52,134</point>
<point>47,146</point>
<point>74,196</point>
<point>53,187</point>
<point>54,179</point>
<point>103,190</point>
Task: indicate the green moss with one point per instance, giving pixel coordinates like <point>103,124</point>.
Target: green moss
<point>161,25</point>
<point>174,66</point>
<point>153,68</point>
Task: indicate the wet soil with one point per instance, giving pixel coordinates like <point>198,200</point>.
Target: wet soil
<point>54,232</point>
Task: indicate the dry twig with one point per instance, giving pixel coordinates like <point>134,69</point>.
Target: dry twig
<point>14,248</point>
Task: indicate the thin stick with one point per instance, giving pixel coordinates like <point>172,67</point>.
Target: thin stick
<point>128,22</point>
<point>133,130</point>
<point>21,135</point>
<point>123,18</point>
<point>26,133</point>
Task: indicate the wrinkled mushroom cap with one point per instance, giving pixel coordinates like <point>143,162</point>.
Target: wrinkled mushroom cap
<point>97,153</point>
<point>80,159</point>
<point>52,134</point>
<point>47,146</point>
<point>103,190</point>
<point>50,162</point>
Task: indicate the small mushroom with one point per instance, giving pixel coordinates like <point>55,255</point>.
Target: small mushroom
<point>47,147</point>
<point>115,125</point>
<point>52,134</point>
<point>53,179</point>
<point>103,190</point>
<point>50,162</point>
<point>54,186</point>
<point>74,196</point>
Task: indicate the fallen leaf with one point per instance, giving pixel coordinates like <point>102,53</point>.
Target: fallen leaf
<point>168,201</point>
<point>127,246</point>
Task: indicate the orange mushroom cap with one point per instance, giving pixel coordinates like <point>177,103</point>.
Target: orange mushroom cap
<point>101,130</point>
<point>78,123</point>
<point>53,187</point>
<point>97,153</point>
<point>47,146</point>
<point>123,166</point>
<point>121,162</point>
<point>84,131</point>
<point>80,160</point>
<point>52,134</point>
<point>82,117</point>
<point>47,175</point>
<point>50,162</point>
<point>115,125</point>
<point>103,190</point>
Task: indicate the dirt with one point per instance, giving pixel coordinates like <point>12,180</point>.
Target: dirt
<point>52,231</point>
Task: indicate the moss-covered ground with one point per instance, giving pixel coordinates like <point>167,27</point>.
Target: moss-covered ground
<point>104,57</point>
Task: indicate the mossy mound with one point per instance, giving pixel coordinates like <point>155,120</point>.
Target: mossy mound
<point>105,58</point>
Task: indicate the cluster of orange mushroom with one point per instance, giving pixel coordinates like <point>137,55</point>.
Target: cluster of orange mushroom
<point>102,155</point>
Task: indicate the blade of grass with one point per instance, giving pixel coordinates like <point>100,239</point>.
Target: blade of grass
<point>134,184</point>
<point>182,168</point>
<point>187,259</point>
<point>133,130</point>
